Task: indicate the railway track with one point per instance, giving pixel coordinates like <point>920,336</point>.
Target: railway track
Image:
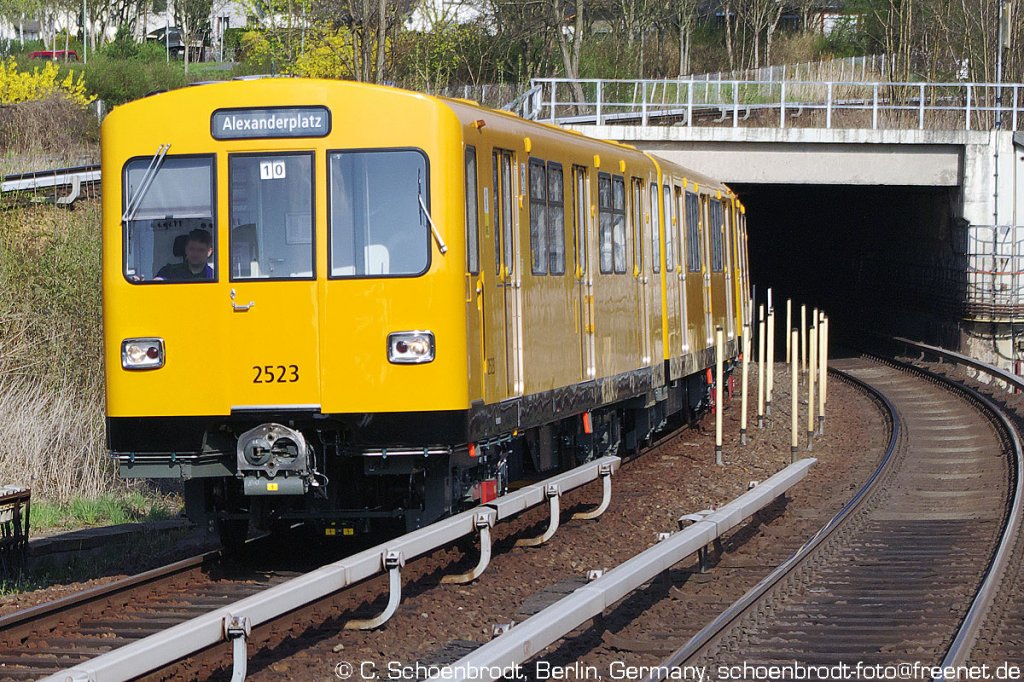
<point>42,640</point>
<point>904,572</point>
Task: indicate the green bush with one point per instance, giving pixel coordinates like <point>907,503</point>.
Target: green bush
<point>116,81</point>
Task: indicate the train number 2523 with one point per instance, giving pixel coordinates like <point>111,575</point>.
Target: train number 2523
<point>269,374</point>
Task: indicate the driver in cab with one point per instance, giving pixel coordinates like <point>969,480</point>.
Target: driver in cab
<point>198,250</point>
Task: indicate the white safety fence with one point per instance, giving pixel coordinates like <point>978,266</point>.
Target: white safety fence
<point>765,103</point>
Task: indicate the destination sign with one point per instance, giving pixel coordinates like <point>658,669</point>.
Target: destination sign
<point>235,124</point>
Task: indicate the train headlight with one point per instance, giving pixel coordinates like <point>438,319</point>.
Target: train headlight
<point>142,353</point>
<point>410,348</point>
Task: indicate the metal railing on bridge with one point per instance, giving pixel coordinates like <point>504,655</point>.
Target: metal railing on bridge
<point>799,104</point>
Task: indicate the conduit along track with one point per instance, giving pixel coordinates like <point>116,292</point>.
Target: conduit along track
<point>907,569</point>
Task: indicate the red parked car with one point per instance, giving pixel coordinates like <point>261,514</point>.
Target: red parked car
<point>62,55</point>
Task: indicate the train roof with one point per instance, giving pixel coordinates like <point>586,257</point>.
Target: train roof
<point>465,110</point>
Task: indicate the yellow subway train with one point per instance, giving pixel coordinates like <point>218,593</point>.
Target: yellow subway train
<point>357,307</point>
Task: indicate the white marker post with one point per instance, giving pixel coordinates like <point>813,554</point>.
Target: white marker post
<point>823,369</point>
<point>803,337</point>
<point>789,325</point>
<point>812,376</point>
<point>743,388</point>
<point>794,368</point>
<point>761,368</point>
<point>719,371</point>
<point>770,353</point>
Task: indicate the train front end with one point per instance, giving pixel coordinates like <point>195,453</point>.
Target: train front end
<point>284,303</point>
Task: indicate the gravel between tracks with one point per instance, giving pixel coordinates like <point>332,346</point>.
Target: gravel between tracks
<point>648,496</point>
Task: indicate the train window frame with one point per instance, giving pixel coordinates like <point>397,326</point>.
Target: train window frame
<point>693,256</point>
<point>214,218</point>
<point>655,202</point>
<point>581,247</point>
<point>472,187</point>
<point>670,227</point>
<point>605,239</point>
<point>538,215</point>
<point>427,237</point>
<point>312,212</point>
<point>620,247</point>
<point>716,232</point>
<point>556,257</point>
<point>636,186</point>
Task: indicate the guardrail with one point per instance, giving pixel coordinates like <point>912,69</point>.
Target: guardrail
<point>77,179</point>
<point>525,640</point>
<point>823,104</point>
<point>235,621</point>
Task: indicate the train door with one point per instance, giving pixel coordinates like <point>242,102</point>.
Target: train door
<point>639,273</point>
<point>496,350</point>
<point>676,325</point>
<point>511,280</point>
<point>476,342</point>
<point>697,293</point>
<point>684,253</point>
<point>271,282</point>
<point>583,271</point>
<point>719,284</point>
<point>709,324</point>
<point>731,298</point>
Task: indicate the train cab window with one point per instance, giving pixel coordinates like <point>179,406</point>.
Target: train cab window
<point>692,232</point>
<point>169,228</point>
<point>670,228</point>
<point>538,217</point>
<point>556,220</point>
<point>378,213</point>
<point>472,214</point>
<point>655,231</point>
<point>271,214</point>
<point>715,226</point>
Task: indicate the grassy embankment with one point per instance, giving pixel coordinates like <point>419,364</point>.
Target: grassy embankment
<point>50,371</point>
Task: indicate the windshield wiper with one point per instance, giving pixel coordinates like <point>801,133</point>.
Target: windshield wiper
<point>147,181</point>
<point>441,246</point>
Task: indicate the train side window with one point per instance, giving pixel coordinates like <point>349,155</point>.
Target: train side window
<point>472,214</point>
<point>638,223</point>
<point>496,211</point>
<point>538,218</point>
<point>508,246</point>
<point>655,231</point>
<point>619,224</point>
<point>270,208</point>
<point>604,210</point>
<point>680,208</point>
<point>378,213</point>
<point>169,225</point>
<point>556,220</point>
<point>670,228</point>
<point>579,176</point>
<point>692,232</point>
<point>715,219</point>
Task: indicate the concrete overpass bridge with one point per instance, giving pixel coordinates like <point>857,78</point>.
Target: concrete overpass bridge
<point>903,202</point>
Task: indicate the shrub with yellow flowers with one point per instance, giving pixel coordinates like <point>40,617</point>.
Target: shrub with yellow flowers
<point>40,83</point>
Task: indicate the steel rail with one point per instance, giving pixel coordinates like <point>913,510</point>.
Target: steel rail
<point>32,613</point>
<point>530,637</point>
<point>969,628</point>
<point>727,617</point>
<point>235,621</point>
